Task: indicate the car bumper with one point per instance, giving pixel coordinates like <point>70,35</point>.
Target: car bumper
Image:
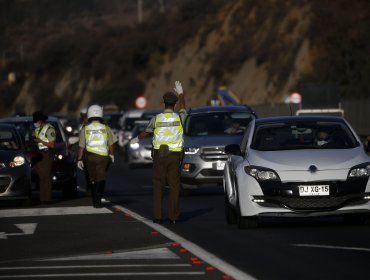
<point>283,199</point>
<point>15,186</point>
<point>195,171</point>
<point>140,156</point>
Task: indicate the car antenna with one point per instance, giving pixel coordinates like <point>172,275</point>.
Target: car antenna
<point>290,108</point>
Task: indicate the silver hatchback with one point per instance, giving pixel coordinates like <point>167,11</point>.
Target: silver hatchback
<point>207,131</point>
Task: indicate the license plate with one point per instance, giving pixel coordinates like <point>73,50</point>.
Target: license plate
<point>219,165</point>
<point>315,190</point>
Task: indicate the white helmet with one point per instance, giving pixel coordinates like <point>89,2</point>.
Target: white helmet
<point>95,111</point>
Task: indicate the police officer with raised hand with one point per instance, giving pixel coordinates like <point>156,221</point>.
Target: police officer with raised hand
<point>96,143</point>
<point>167,130</point>
<point>44,136</point>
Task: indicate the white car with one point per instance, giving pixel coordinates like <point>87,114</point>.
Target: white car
<point>284,167</point>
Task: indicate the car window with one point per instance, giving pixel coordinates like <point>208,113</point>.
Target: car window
<point>137,130</point>
<point>113,120</point>
<point>217,123</point>
<point>26,129</point>
<point>302,135</point>
<point>129,123</point>
<point>8,140</point>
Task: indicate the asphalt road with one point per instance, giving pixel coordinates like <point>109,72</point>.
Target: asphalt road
<point>120,241</point>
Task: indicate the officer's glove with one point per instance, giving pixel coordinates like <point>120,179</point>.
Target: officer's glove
<point>178,88</point>
<point>134,140</point>
<point>80,164</point>
<point>111,158</point>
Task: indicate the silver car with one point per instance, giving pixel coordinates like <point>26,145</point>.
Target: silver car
<point>296,167</point>
<point>207,131</point>
<point>139,154</point>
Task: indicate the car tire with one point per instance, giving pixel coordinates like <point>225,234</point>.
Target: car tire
<point>230,213</point>
<point>70,190</point>
<point>186,189</point>
<point>246,222</point>
<point>356,219</point>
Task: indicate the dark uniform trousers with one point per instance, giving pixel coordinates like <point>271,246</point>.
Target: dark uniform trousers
<point>97,167</point>
<point>166,170</point>
<point>43,168</point>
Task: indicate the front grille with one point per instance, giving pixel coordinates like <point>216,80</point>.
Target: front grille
<point>313,203</point>
<point>4,183</point>
<point>213,154</point>
<point>212,172</point>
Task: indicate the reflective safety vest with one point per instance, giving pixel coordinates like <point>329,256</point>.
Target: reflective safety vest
<point>168,131</point>
<point>40,133</point>
<point>96,137</point>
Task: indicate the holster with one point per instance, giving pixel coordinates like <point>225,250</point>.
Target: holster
<point>163,151</point>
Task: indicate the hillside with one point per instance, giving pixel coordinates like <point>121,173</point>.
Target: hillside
<point>67,54</point>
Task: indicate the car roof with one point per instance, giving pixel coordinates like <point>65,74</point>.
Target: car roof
<point>133,113</point>
<point>299,118</point>
<point>210,109</point>
<point>25,119</point>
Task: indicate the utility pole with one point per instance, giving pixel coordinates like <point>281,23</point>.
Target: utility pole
<point>140,11</point>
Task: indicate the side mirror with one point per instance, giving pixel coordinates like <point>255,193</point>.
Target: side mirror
<point>233,149</point>
<point>73,140</point>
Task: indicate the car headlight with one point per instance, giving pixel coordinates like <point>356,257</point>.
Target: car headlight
<point>191,150</point>
<point>360,171</point>
<point>17,161</point>
<point>261,173</point>
<point>134,146</point>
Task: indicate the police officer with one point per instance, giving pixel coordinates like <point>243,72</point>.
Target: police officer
<point>167,129</point>
<point>97,145</point>
<point>44,136</point>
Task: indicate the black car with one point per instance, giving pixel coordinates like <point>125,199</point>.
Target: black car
<point>64,176</point>
<point>15,165</point>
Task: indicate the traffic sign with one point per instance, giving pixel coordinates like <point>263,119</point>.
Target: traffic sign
<point>295,98</point>
<point>141,102</point>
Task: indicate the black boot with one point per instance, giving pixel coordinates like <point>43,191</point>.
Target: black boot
<point>94,194</point>
<point>100,191</point>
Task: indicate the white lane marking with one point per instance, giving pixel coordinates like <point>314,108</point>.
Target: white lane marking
<point>93,266</point>
<point>332,247</point>
<point>54,211</point>
<point>102,274</point>
<point>157,253</point>
<point>190,246</point>
<point>25,228</point>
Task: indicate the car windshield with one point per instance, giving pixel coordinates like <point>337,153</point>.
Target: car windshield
<point>8,140</point>
<point>137,130</point>
<point>217,123</point>
<point>26,129</point>
<point>303,135</point>
<point>129,123</point>
<point>113,120</point>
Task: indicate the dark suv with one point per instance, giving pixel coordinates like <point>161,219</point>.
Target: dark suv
<point>207,131</point>
<point>64,176</point>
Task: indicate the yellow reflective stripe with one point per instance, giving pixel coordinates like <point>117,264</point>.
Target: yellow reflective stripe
<point>168,131</point>
<point>41,134</point>
<point>96,137</point>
